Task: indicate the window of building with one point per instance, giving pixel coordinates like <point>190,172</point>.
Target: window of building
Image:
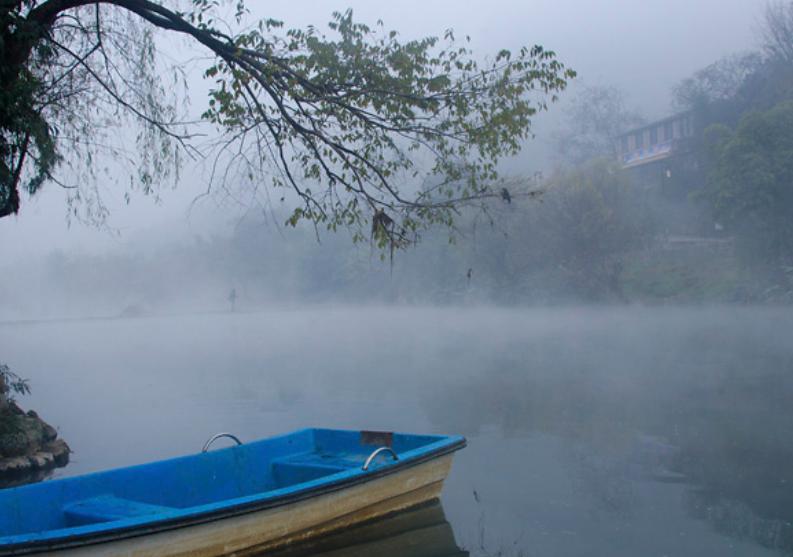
<point>624,143</point>
<point>638,140</point>
<point>668,135</point>
<point>653,136</point>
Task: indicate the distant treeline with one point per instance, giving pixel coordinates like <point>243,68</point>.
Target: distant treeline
<point>591,235</point>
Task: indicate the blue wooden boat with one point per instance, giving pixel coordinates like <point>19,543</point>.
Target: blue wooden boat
<point>235,501</point>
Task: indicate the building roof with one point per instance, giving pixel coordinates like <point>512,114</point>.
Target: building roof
<point>656,123</point>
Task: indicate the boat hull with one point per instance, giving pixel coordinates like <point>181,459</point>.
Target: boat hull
<point>260,530</point>
<point>422,531</point>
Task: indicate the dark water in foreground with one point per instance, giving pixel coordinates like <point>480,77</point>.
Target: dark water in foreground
<point>591,432</point>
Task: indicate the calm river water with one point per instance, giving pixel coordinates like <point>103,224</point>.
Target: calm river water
<point>591,431</point>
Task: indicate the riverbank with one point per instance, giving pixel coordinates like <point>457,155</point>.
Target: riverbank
<point>681,273</point>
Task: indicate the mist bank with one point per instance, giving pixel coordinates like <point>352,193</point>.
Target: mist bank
<point>592,244</point>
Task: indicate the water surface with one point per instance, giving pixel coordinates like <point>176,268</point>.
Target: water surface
<point>591,431</point>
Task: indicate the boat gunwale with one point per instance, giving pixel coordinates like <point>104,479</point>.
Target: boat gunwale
<point>22,544</point>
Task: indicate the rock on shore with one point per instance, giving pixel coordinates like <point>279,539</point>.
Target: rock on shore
<point>29,446</point>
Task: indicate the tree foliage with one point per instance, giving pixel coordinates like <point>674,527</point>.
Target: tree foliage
<point>592,219</point>
<point>10,384</point>
<point>757,80</point>
<point>596,117</point>
<point>721,81</point>
<point>750,186</point>
<point>571,245</point>
<point>777,31</point>
<point>351,122</point>
<point>738,93</point>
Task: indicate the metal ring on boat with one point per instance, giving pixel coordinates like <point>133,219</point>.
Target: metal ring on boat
<point>218,436</point>
<point>377,452</point>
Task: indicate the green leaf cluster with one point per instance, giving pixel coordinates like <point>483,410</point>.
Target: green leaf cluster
<point>750,185</point>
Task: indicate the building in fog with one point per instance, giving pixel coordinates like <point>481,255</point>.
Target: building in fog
<point>656,142</point>
<point>661,158</point>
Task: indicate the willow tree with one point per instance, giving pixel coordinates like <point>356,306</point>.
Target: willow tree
<point>365,129</point>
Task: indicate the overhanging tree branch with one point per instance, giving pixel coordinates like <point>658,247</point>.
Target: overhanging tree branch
<point>412,130</point>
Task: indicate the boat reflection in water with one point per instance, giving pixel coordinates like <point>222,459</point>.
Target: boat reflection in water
<point>420,532</point>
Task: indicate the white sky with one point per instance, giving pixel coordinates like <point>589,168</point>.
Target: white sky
<point>643,47</point>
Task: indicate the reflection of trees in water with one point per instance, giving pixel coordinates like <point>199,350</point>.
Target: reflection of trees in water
<point>737,520</point>
<point>720,420</point>
<point>484,547</point>
<point>733,434</point>
<point>605,483</point>
<point>566,402</point>
<point>735,443</point>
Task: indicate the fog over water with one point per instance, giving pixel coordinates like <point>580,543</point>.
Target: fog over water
<point>591,431</point>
